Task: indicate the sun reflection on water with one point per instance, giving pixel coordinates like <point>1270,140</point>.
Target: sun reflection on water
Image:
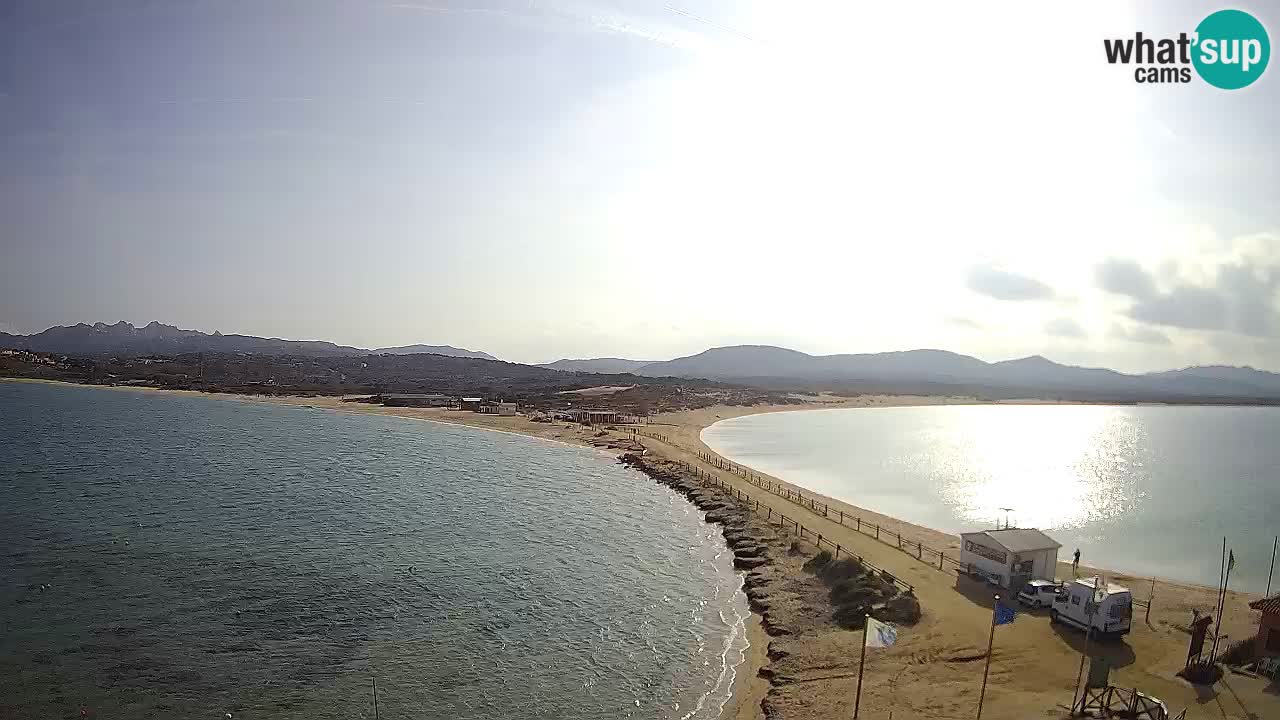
<point>1056,470</point>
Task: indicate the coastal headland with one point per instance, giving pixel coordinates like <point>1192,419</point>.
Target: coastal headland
<point>809,670</point>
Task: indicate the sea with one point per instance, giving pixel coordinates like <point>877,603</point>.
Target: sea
<point>166,555</point>
<point>1151,490</point>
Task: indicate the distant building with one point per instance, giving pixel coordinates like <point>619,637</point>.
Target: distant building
<point>1268,637</point>
<point>1010,557</point>
<point>588,416</point>
<point>497,408</point>
<point>471,403</point>
<point>417,400</point>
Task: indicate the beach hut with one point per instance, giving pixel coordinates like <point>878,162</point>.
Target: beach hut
<point>1010,557</point>
<point>499,407</point>
<point>1268,637</point>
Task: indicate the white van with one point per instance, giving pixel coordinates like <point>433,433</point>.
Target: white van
<point>1093,605</point>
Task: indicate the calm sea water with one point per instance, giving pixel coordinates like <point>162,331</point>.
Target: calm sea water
<point>1146,489</point>
<point>204,556</point>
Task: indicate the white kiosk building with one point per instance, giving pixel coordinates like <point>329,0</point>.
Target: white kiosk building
<point>1010,557</point>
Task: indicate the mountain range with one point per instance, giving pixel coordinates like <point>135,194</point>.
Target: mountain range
<point>448,350</point>
<point>911,371</point>
<point>598,365</point>
<point>941,370</point>
<point>159,339</point>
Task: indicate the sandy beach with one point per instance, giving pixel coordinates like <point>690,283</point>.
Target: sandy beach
<point>930,672</point>
<point>935,670</point>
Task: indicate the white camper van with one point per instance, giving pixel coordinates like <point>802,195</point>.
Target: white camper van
<point>1094,605</point>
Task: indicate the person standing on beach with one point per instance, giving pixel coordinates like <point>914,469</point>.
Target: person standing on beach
<point>1075,563</point>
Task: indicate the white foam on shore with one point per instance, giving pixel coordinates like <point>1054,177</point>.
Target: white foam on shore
<point>733,615</point>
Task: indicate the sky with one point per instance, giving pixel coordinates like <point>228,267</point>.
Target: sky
<point>543,179</point>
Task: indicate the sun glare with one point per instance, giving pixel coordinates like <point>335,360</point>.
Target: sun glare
<point>1054,470</point>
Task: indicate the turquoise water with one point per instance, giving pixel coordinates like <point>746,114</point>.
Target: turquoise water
<point>1150,490</point>
<point>177,556</point>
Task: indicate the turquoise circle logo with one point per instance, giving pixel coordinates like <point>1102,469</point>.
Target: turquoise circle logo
<point>1232,49</point>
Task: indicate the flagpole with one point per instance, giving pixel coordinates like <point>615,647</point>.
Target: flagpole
<point>1222,607</point>
<point>1274,543</point>
<point>1088,636</point>
<point>1217,627</point>
<point>990,642</point>
<point>862,662</point>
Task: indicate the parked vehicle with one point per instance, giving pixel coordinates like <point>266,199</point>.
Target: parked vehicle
<point>1039,593</point>
<point>1093,605</point>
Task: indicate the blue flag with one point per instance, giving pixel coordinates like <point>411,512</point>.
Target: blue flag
<point>1004,613</point>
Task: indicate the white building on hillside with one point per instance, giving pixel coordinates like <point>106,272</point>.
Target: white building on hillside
<point>1010,557</point>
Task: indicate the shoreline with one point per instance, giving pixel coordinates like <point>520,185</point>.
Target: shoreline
<point>1160,641</point>
<point>942,539</point>
<point>955,619</point>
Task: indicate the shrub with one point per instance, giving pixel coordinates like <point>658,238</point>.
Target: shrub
<point>854,590</point>
<point>841,569</point>
<point>817,562</point>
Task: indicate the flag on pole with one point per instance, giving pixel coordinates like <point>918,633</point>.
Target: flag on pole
<point>875,635</point>
<point>1231,559</point>
<point>1001,614</point>
<point>879,634</point>
<point>1004,613</point>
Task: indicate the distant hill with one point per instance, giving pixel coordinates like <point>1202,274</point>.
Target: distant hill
<point>743,361</point>
<point>597,365</point>
<point>936,371</point>
<point>1209,377</point>
<point>447,350</point>
<point>764,366</point>
<point>157,338</point>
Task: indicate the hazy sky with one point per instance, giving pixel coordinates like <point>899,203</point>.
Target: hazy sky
<point>641,179</point>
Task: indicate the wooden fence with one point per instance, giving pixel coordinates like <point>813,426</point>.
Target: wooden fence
<point>787,524</point>
<point>923,553</point>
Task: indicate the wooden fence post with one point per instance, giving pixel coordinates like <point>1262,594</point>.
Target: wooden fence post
<point>877,532</point>
<point>1151,596</point>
